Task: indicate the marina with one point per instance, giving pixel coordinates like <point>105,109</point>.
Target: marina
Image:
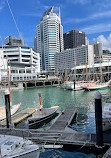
<point>61,129</point>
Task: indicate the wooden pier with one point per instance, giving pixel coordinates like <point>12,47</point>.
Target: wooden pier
<point>64,119</point>
<point>20,116</point>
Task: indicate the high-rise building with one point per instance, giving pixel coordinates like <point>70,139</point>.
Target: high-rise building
<point>35,43</point>
<point>73,39</point>
<point>14,41</point>
<point>49,39</point>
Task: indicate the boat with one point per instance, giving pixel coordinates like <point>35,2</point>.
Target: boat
<point>106,116</point>
<point>41,115</point>
<point>94,85</point>
<point>70,85</point>
<point>13,108</point>
<point>14,147</point>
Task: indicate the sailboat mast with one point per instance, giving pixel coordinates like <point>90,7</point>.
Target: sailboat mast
<point>75,69</point>
<point>93,74</point>
<point>101,71</point>
<point>86,70</point>
<point>9,83</point>
<point>65,71</point>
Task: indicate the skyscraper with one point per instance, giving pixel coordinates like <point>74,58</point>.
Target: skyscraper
<point>73,39</point>
<point>49,39</point>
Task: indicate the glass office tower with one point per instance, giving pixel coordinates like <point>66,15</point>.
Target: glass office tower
<point>49,39</point>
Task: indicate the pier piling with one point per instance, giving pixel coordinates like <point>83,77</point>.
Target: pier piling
<point>98,119</point>
<point>8,112</point>
<point>74,84</point>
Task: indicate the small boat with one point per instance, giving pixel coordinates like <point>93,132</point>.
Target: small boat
<point>14,147</point>
<point>106,116</point>
<point>69,85</point>
<point>14,109</point>
<point>41,115</point>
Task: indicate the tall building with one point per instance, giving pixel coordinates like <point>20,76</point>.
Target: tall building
<point>14,41</point>
<point>49,39</point>
<point>73,39</point>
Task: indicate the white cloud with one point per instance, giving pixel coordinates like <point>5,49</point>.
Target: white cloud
<point>98,28</point>
<point>82,2</point>
<point>105,41</point>
<point>95,16</point>
<point>2,4</point>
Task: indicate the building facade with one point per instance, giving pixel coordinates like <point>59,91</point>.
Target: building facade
<point>49,39</point>
<point>14,41</point>
<point>82,55</point>
<point>73,39</point>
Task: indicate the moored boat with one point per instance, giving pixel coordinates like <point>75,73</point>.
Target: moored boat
<point>93,86</point>
<point>106,117</point>
<point>41,115</point>
<point>13,147</point>
<point>14,109</point>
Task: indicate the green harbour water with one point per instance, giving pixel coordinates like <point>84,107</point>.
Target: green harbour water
<point>52,96</point>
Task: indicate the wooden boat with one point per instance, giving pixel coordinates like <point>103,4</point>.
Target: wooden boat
<point>13,110</point>
<point>14,147</point>
<point>41,115</point>
<point>70,85</point>
<point>93,86</point>
<point>106,117</point>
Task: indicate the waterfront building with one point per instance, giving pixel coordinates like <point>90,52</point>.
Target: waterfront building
<point>3,66</point>
<point>14,41</point>
<point>24,62</point>
<point>73,39</point>
<point>49,39</point>
<point>79,54</point>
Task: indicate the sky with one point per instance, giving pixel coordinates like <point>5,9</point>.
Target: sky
<point>91,16</point>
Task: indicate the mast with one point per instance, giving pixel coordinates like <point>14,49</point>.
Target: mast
<point>101,71</point>
<point>93,74</point>
<point>9,83</point>
<point>40,101</point>
<point>86,70</point>
<point>65,71</point>
<point>75,69</point>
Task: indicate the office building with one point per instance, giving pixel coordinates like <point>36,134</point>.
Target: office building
<point>22,57</point>
<point>49,39</point>
<point>73,39</point>
<point>14,41</point>
<point>79,54</point>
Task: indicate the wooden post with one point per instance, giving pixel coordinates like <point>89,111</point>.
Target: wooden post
<point>98,119</point>
<point>8,112</point>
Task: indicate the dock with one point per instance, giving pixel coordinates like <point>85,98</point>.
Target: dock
<point>64,119</point>
<point>20,116</point>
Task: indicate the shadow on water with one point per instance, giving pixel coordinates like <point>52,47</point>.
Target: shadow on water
<point>64,154</point>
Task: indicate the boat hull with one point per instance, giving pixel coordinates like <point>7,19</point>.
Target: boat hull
<point>93,88</point>
<point>13,111</point>
<point>35,122</point>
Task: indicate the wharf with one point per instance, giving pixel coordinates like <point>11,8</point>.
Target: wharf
<point>64,119</point>
<point>20,116</point>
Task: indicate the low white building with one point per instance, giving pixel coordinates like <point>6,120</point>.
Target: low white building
<point>24,62</point>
